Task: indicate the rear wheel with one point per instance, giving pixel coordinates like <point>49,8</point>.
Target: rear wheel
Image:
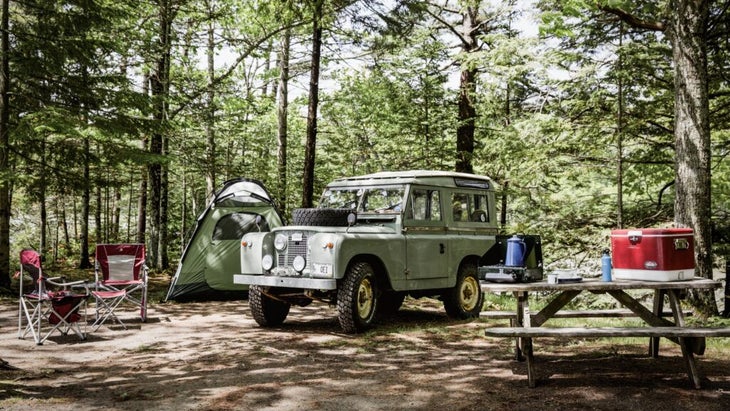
<point>267,311</point>
<point>465,300</point>
<point>357,299</point>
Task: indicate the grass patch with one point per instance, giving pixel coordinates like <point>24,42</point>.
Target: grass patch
<point>145,348</point>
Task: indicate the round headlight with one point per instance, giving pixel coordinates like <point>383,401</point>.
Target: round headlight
<point>280,242</point>
<point>267,262</point>
<point>299,263</point>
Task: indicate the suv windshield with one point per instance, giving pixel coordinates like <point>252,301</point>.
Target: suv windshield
<point>365,200</point>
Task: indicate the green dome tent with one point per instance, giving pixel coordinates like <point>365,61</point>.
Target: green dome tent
<point>212,255</point>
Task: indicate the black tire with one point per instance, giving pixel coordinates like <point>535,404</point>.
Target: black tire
<point>389,303</point>
<point>466,299</point>
<point>267,311</point>
<point>357,298</point>
<point>324,217</point>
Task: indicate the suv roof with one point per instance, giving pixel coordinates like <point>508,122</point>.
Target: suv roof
<point>441,178</point>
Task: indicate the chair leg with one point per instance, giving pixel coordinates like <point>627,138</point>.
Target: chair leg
<point>33,314</point>
<point>105,307</point>
<point>67,322</point>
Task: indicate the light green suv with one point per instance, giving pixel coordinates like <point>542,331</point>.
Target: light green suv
<point>373,240</point>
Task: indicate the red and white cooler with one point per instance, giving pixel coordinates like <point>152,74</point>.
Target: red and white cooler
<point>653,254</point>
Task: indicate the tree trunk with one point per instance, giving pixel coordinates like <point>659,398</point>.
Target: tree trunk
<point>64,222</point>
<point>692,206</point>
<point>142,200</point>
<point>311,145</point>
<point>142,208</point>
<point>43,245</point>
<point>4,147</point>
<point>116,213</point>
<point>620,136</point>
<point>160,89</point>
<point>84,262</point>
<point>282,117</point>
<point>155,187</point>
<point>164,262</point>
<point>100,230</point>
<point>467,91</point>
<point>210,118</point>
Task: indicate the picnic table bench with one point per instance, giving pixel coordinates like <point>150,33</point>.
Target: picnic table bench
<point>526,325</point>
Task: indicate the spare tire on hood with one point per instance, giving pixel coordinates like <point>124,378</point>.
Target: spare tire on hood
<point>328,217</point>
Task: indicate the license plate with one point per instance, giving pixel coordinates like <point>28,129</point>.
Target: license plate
<point>322,269</point>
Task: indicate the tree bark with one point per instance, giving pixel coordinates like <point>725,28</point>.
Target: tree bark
<point>43,245</point>
<point>311,145</point>
<point>163,259</point>
<point>84,262</point>
<point>4,147</point>
<point>283,117</point>
<point>467,91</point>
<point>160,89</point>
<point>100,231</point>
<point>210,118</point>
<point>692,205</point>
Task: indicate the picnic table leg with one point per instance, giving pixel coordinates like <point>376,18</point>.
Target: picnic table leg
<point>523,320</point>
<point>689,359</point>
<point>695,344</point>
<point>527,349</point>
<point>658,307</point>
<point>690,345</point>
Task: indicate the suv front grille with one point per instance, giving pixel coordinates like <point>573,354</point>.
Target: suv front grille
<point>296,245</point>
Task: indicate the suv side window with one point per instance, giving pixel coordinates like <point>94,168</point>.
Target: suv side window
<point>460,206</point>
<point>425,205</point>
<point>470,207</point>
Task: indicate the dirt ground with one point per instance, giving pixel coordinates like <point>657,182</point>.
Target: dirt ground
<point>213,356</point>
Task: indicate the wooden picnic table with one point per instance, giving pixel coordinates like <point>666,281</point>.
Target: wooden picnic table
<point>527,325</point>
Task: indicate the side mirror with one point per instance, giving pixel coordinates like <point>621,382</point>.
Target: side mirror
<point>351,220</point>
<point>258,222</point>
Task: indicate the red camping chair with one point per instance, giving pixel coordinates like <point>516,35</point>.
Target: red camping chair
<point>121,276</point>
<point>60,310</point>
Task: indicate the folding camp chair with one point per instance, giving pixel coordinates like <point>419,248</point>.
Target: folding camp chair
<point>121,276</point>
<point>57,310</point>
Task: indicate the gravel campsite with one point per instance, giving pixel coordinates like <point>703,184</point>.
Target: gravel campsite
<point>213,356</point>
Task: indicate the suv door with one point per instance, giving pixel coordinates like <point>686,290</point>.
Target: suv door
<point>424,230</point>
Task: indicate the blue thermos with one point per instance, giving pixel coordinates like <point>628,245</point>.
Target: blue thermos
<point>606,266</point>
<point>516,248</point>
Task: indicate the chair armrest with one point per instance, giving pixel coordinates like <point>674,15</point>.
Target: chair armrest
<point>66,284</point>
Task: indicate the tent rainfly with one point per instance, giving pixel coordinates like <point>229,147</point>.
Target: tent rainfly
<point>212,255</point>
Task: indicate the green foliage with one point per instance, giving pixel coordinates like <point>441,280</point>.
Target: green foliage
<point>547,129</point>
<point>391,117</point>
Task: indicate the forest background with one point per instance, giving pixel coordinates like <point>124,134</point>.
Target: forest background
<point>119,118</point>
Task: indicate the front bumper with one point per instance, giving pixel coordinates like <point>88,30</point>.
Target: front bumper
<point>289,282</point>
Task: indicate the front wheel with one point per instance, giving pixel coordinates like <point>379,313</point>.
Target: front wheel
<point>465,300</point>
<point>267,311</point>
<point>357,298</point>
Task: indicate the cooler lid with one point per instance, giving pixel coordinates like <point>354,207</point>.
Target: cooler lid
<point>652,232</point>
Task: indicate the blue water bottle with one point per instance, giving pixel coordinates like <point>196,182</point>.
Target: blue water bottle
<point>606,265</point>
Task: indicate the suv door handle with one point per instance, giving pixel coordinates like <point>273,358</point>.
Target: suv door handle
<point>442,248</point>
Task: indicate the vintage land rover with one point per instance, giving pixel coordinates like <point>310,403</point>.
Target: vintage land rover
<point>373,240</point>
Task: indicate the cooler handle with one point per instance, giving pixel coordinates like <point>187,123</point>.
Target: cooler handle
<point>634,235</point>
<point>681,244</point>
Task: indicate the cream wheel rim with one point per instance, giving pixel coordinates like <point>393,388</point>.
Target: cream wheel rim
<point>365,298</point>
<point>469,293</point>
